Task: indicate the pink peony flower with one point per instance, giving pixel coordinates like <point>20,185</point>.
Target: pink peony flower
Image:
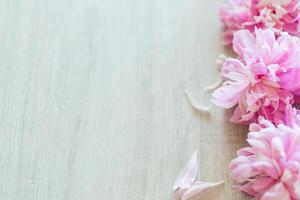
<point>281,15</point>
<point>269,169</point>
<point>253,82</point>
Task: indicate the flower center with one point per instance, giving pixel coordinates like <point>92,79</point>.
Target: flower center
<point>271,11</point>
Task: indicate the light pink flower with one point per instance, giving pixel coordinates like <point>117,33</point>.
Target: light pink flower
<point>281,15</point>
<point>252,81</point>
<point>269,169</point>
<point>187,185</point>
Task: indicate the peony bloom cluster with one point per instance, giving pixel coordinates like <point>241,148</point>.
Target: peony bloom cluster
<point>280,15</point>
<point>262,84</point>
<point>269,169</point>
<point>263,79</point>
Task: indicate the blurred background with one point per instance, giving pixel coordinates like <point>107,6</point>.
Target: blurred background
<point>92,99</point>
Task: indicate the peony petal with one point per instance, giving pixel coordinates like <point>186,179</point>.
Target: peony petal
<point>268,167</point>
<point>188,174</point>
<point>277,192</point>
<point>277,148</point>
<point>196,104</point>
<point>186,185</point>
<point>262,183</point>
<point>290,80</point>
<point>199,188</point>
<point>242,173</point>
<point>242,40</point>
<point>229,93</point>
<point>232,65</point>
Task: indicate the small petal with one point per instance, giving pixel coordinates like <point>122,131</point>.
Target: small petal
<point>186,185</point>
<point>188,174</point>
<point>198,188</point>
<point>277,192</point>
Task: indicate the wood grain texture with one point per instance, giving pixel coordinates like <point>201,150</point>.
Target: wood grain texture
<point>92,99</point>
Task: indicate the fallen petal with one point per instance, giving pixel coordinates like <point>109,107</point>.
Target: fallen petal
<point>187,186</point>
<point>199,188</point>
<point>188,174</point>
<point>196,104</point>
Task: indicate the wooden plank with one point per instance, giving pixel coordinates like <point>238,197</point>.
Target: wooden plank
<point>92,99</point>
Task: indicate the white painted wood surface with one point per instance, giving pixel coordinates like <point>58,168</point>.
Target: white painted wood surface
<point>92,99</point>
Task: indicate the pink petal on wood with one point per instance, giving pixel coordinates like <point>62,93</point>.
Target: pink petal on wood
<point>188,174</point>
<point>197,188</point>
<point>196,104</point>
<point>186,185</point>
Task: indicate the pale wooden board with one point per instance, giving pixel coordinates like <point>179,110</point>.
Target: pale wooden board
<point>92,99</point>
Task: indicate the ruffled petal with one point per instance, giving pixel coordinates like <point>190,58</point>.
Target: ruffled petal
<point>277,192</point>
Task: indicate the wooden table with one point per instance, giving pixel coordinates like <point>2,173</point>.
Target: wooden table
<point>93,105</point>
